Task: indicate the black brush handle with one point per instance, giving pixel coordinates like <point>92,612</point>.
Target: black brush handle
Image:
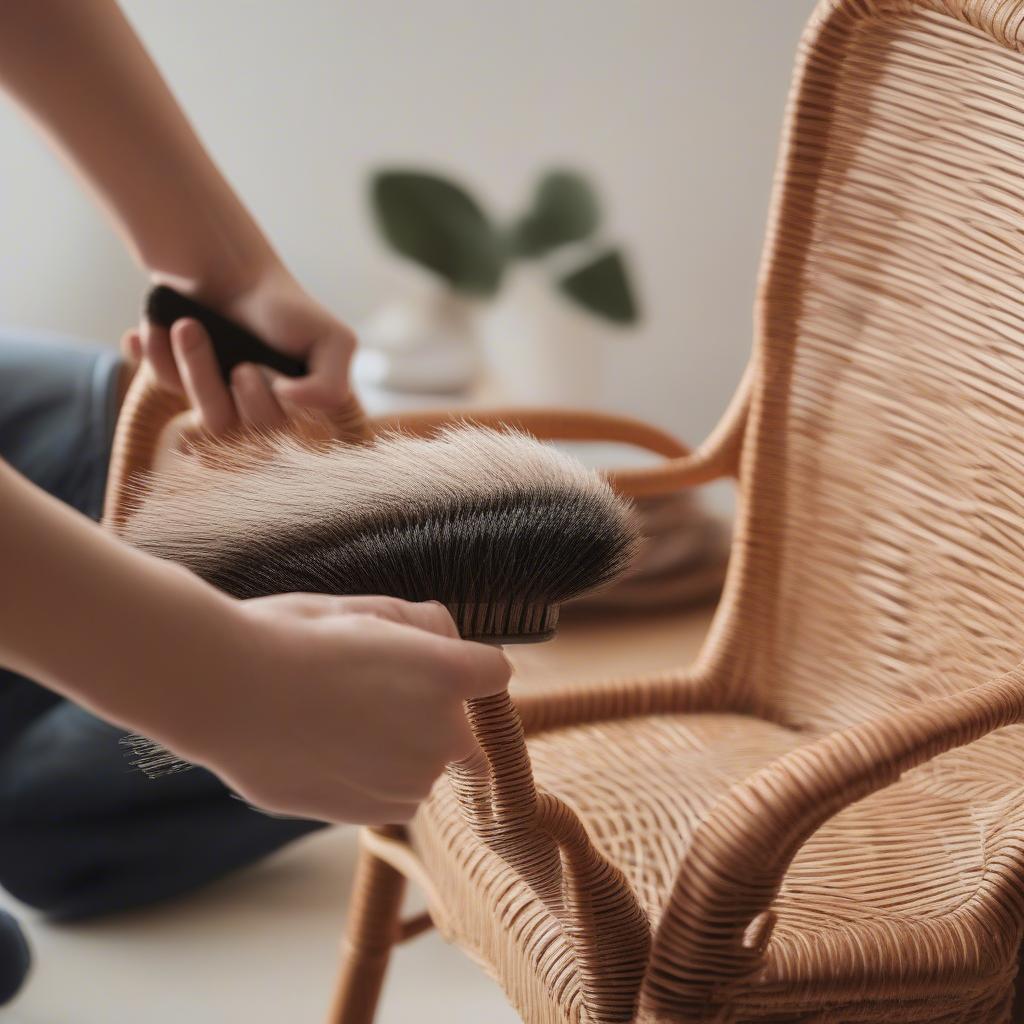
<point>232,344</point>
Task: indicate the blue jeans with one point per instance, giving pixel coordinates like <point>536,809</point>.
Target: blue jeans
<point>81,833</point>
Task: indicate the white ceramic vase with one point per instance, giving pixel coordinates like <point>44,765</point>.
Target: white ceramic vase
<point>424,343</point>
<point>539,349</point>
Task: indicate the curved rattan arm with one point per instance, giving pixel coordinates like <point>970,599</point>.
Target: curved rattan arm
<point>544,841</point>
<point>718,456</point>
<point>669,691</point>
<point>716,927</point>
<point>145,413</point>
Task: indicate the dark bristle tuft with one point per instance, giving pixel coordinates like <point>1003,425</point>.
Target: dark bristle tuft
<point>502,565</point>
<point>151,758</point>
<point>499,527</point>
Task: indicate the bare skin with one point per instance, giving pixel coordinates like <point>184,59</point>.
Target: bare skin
<point>344,709</point>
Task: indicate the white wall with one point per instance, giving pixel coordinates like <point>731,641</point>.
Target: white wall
<point>674,105</point>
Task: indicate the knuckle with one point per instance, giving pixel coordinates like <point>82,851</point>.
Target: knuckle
<point>394,605</point>
<point>311,606</point>
<point>480,668</point>
<point>442,617</point>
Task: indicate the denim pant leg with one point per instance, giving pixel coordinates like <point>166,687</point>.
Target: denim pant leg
<point>57,411</point>
<point>81,833</point>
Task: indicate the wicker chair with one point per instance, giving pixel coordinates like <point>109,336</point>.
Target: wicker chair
<point>773,835</point>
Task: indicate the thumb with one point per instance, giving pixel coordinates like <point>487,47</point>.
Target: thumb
<point>326,385</point>
<point>486,670</point>
<point>310,392</point>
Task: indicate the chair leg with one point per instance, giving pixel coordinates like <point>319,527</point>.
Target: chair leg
<point>373,929</point>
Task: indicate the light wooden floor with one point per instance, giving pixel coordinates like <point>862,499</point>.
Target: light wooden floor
<point>260,947</point>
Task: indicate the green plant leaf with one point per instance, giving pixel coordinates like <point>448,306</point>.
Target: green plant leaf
<point>565,209</point>
<point>602,287</point>
<point>439,225</point>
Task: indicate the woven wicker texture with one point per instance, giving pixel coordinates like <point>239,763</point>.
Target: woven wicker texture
<point>872,617</point>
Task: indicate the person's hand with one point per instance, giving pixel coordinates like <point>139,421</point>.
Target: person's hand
<point>280,312</point>
<point>335,708</point>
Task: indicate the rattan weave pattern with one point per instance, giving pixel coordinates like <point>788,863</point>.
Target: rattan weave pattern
<point>877,580</point>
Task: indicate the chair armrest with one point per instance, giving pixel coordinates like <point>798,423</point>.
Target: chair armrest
<point>717,457</point>
<point>718,920</point>
<point>543,840</point>
<point>146,412</point>
<point>668,691</point>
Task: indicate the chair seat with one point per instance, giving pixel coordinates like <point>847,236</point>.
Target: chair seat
<point>911,852</point>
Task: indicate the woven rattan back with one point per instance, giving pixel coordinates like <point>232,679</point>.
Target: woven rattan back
<point>881,552</point>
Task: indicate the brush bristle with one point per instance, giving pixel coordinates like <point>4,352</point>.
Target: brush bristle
<point>498,527</point>
<point>151,758</point>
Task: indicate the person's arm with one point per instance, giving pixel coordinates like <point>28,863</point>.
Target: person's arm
<point>79,71</point>
<point>344,709</point>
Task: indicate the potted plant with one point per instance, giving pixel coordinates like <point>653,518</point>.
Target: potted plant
<point>433,343</point>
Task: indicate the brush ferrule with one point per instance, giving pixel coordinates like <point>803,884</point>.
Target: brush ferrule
<point>507,622</point>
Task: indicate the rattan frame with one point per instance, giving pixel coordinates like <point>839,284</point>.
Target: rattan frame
<point>710,957</point>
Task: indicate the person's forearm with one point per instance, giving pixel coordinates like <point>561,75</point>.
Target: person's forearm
<point>86,614</point>
<point>79,70</point>
<point>341,709</point>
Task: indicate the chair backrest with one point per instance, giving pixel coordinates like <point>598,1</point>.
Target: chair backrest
<point>880,554</point>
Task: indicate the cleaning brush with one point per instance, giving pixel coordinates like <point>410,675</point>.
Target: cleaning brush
<point>495,525</point>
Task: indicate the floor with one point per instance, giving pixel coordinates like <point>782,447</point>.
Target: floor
<point>261,947</point>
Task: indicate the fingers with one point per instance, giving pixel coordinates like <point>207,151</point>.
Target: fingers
<point>183,360</point>
<point>462,743</point>
<point>362,697</point>
<point>131,345</point>
<point>478,670</point>
<point>156,349</point>
<point>483,670</point>
<point>429,616</point>
<point>254,400</point>
<point>326,385</point>
<point>200,377</point>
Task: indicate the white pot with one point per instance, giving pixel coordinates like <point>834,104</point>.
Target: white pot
<point>542,350</point>
<point>424,343</point>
